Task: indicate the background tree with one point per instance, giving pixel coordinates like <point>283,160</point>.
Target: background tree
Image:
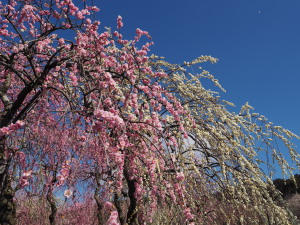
<point>145,136</point>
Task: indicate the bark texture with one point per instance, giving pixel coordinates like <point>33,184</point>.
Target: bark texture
<point>132,210</point>
<point>7,205</point>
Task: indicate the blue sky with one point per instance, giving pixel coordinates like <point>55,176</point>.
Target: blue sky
<point>257,43</point>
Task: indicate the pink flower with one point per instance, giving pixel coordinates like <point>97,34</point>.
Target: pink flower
<point>61,41</point>
<point>28,8</point>
<point>180,176</point>
<point>4,131</point>
<point>93,8</point>
<point>188,214</point>
<point>113,219</point>
<point>119,22</point>
<point>88,21</point>
<point>114,120</point>
<point>12,127</point>
<point>122,143</point>
<point>79,15</point>
<point>185,135</point>
<point>107,102</point>
<point>73,79</point>
<point>65,172</point>
<point>61,179</point>
<point>19,124</point>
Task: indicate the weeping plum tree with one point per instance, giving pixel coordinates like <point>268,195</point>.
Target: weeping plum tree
<point>98,116</point>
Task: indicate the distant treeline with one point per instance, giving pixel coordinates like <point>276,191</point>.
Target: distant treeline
<point>288,187</point>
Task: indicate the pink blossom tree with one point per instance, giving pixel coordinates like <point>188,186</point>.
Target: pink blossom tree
<point>144,135</point>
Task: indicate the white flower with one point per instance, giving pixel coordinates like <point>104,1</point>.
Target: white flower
<point>68,193</point>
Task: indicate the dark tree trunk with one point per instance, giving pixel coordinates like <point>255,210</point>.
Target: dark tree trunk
<point>53,207</point>
<point>121,204</point>
<point>99,207</point>
<point>53,212</point>
<point>7,205</point>
<point>132,210</point>
<point>99,202</point>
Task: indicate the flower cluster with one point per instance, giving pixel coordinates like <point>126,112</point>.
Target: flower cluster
<point>132,121</point>
<point>64,173</point>
<point>11,128</point>
<point>110,117</point>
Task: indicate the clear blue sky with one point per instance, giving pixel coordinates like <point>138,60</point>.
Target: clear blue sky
<point>257,43</point>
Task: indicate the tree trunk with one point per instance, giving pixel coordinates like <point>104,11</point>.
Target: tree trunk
<point>7,205</point>
<point>121,203</point>
<point>99,208</point>
<point>132,210</point>
<point>52,206</point>
<point>99,202</point>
